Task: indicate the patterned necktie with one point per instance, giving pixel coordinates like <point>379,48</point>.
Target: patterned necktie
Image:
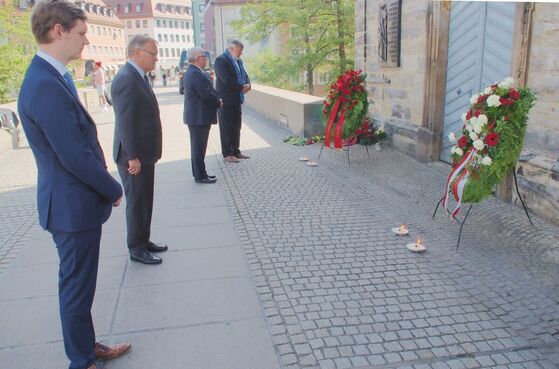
<point>70,81</point>
<point>147,81</point>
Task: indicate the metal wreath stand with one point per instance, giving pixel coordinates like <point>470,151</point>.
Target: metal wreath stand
<point>471,205</point>
<point>345,147</point>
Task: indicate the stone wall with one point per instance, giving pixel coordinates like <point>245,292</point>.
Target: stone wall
<point>395,94</point>
<point>539,167</point>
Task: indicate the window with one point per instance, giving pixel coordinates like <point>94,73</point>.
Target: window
<point>106,50</point>
<point>104,31</point>
<point>178,52</point>
<point>173,52</point>
<point>166,38</point>
<point>167,53</point>
<point>137,23</point>
<point>183,38</point>
<point>187,25</point>
<point>172,38</point>
<point>182,25</point>
<point>176,24</point>
<point>164,24</point>
<point>145,23</point>
<point>159,38</point>
<point>202,27</point>
<point>99,30</point>
<point>129,24</point>
<point>188,38</point>
<point>138,8</point>
<point>187,10</point>
<point>158,22</point>
<point>170,24</point>
<point>201,8</point>
<point>127,9</point>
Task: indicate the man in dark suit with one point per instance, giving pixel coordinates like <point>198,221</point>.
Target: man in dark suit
<point>200,112</point>
<point>75,192</point>
<point>232,84</point>
<point>137,144</point>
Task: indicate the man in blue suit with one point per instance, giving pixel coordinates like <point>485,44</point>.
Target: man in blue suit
<point>200,112</point>
<point>75,192</point>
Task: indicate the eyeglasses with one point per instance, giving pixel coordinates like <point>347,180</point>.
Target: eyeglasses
<point>149,52</point>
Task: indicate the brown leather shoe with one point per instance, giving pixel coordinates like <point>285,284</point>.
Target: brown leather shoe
<point>105,353</point>
<point>241,156</point>
<point>231,159</point>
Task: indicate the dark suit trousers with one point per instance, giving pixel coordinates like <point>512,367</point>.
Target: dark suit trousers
<point>198,144</point>
<point>77,279</point>
<point>139,203</point>
<point>230,120</point>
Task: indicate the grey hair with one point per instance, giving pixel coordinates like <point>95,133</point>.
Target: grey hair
<point>138,42</point>
<point>236,43</point>
<point>194,52</point>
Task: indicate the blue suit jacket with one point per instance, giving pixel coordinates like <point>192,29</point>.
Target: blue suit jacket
<point>75,192</point>
<point>200,98</point>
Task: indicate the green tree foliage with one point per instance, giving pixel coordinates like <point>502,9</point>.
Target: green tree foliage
<point>17,47</point>
<point>318,35</point>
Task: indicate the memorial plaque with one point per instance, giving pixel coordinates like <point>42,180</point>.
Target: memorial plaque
<point>389,29</point>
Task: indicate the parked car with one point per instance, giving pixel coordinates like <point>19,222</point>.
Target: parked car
<point>183,66</point>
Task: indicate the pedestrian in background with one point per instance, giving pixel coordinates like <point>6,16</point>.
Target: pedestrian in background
<point>75,192</point>
<point>200,112</point>
<point>99,81</point>
<point>138,144</point>
<point>232,84</point>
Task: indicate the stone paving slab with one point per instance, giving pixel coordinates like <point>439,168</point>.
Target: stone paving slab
<point>198,309</point>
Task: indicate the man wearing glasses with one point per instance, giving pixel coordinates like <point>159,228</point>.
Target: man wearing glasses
<point>137,144</point>
<point>200,112</point>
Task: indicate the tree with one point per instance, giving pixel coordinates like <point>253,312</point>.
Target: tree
<point>319,32</point>
<point>16,49</point>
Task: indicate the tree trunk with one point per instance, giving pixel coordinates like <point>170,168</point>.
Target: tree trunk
<point>341,36</point>
<point>310,67</point>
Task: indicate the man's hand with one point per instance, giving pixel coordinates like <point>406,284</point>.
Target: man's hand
<point>246,88</point>
<point>134,166</point>
<point>117,203</point>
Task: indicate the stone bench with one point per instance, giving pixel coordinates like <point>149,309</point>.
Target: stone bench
<point>300,113</point>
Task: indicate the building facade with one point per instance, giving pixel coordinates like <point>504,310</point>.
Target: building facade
<point>169,22</point>
<point>106,37</point>
<point>219,14</point>
<point>424,59</point>
<point>198,22</point>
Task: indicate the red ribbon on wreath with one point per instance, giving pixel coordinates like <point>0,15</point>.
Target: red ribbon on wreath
<point>339,126</point>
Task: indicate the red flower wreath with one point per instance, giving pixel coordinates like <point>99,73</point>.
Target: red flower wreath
<point>492,139</point>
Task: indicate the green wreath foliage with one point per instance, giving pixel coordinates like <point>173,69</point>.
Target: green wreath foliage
<point>505,123</point>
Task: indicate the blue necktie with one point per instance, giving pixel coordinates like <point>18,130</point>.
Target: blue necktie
<point>70,81</point>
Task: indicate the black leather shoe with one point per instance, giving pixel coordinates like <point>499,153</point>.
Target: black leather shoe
<point>211,177</point>
<point>152,247</point>
<point>206,180</point>
<point>143,256</point>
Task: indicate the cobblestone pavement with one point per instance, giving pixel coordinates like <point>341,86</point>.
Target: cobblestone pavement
<point>339,290</point>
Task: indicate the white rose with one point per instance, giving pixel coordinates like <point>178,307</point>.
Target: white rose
<point>458,151</point>
<point>452,137</point>
<point>487,91</point>
<point>482,120</point>
<point>464,117</point>
<point>493,100</point>
<point>506,83</point>
<point>479,145</point>
<point>486,160</point>
<point>474,98</point>
<point>473,136</point>
<point>477,128</point>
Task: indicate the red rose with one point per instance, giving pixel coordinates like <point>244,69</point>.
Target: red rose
<point>355,88</point>
<point>514,94</point>
<point>477,113</point>
<point>506,102</point>
<point>469,115</point>
<point>492,139</point>
<point>482,98</point>
<point>462,142</point>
